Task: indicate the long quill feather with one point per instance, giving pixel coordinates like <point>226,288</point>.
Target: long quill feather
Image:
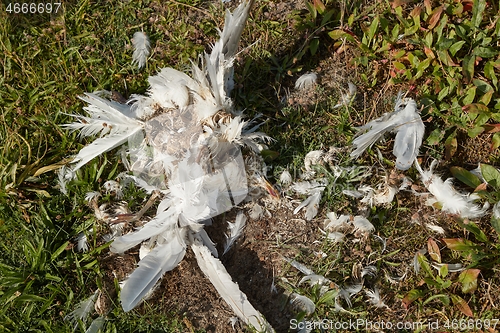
<point>228,290</point>
<point>162,259</point>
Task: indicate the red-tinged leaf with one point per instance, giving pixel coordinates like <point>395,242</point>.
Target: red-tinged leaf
<point>433,250</point>
<point>491,128</point>
<point>416,12</point>
<point>475,108</point>
<point>445,58</point>
<point>412,296</point>
<point>435,16</point>
<point>462,305</point>
<point>397,3</point>
<point>320,6</point>
<point>481,187</point>
<point>467,5</point>
<point>428,6</point>
<point>468,279</point>
<point>451,146</point>
<point>428,52</point>
<point>458,244</point>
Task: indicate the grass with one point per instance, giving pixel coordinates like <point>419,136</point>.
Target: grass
<point>48,60</point>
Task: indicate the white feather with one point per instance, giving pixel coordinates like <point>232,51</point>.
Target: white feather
<point>362,224</point>
<point>108,119</point>
<point>227,289</point>
<point>407,124</point>
<point>435,228</point>
<point>97,324</point>
<point>82,244</point>
<point>312,204</point>
<point>285,178</point>
<point>335,236</point>
<point>315,279</point>
<point>300,266</point>
<point>346,99</point>
<point>450,200</point>
<point>409,136</point>
<point>314,189</point>
<point>164,221</point>
<point>348,291</point>
<point>374,298</point>
<point>335,223</point>
<point>141,49</point>
<point>306,81</point>
<point>82,311</point>
<point>235,231</point>
<point>163,258</point>
<point>170,88</point>
<point>302,303</point>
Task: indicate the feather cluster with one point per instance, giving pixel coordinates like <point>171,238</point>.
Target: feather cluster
<point>184,145</point>
<point>405,121</point>
<point>450,200</point>
<point>314,190</point>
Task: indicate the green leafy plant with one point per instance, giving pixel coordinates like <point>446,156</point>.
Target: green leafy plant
<point>448,54</point>
<point>441,286</point>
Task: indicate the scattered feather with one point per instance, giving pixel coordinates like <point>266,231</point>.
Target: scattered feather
<point>97,325</point>
<point>496,210</point>
<point>353,194</point>
<point>346,99</point>
<point>369,270</point>
<point>63,176</point>
<point>112,186</point>
<point>435,228</point>
<point>315,279</point>
<point>350,290</point>
<point>227,289</point>
<point>233,321</point>
<point>302,268</point>
<point>314,189</point>
<point>82,244</point>
<point>235,231</point>
<point>82,311</point>
<point>302,303</point>
<point>335,223</point>
<point>285,178</point>
<point>450,200</point>
<point>93,195</point>
<point>335,236</point>
<point>374,298</point>
<point>405,122</point>
<point>362,224</point>
<point>416,263</point>
<point>452,268</point>
<point>382,240</point>
<point>306,81</point>
<point>141,44</point>
<point>314,157</point>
